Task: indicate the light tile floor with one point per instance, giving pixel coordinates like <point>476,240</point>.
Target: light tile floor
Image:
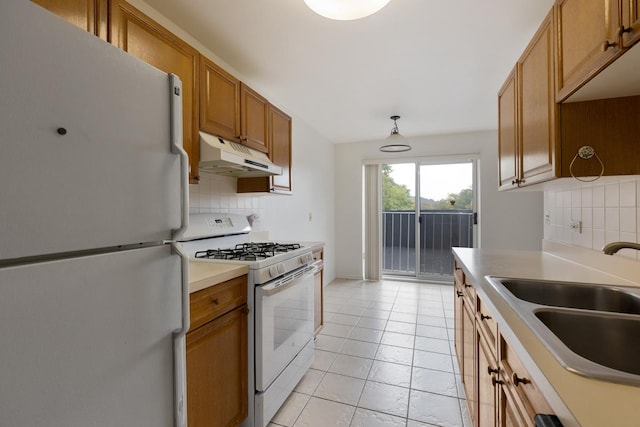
<point>384,358</point>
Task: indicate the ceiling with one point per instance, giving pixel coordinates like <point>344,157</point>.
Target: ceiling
<point>437,64</point>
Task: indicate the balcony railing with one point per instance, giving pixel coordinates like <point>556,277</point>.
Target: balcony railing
<point>439,231</point>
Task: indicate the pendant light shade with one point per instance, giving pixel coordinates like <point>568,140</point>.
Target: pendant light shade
<point>395,142</point>
<point>346,10</point>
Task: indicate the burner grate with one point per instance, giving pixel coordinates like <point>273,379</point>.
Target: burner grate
<point>248,251</point>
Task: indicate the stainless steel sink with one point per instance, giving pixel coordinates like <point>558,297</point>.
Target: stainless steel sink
<point>611,341</point>
<point>575,295</point>
<point>592,330</point>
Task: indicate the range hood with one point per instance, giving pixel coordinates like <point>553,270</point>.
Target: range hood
<point>229,158</point>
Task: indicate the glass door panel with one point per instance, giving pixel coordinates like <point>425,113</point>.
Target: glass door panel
<point>398,219</point>
<point>446,216</point>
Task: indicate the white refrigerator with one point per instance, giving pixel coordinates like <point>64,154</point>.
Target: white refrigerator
<point>93,196</point>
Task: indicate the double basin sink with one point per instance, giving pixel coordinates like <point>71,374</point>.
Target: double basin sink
<point>593,330</point>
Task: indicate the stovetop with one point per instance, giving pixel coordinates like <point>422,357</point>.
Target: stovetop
<point>253,251</point>
<point>224,238</point>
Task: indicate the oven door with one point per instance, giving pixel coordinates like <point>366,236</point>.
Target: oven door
<point>283,323</point>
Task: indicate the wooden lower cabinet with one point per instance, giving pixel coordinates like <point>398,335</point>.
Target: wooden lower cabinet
<point>498,387</point>
<point>216,357</point>
<point>318,295</point>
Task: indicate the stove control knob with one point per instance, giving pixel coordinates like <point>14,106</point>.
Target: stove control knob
<point>276,270</point>
<point>306,258</point>
<point>273,271</point>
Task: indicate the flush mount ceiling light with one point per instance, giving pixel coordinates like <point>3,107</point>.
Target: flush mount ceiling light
<point>396,142</point>
<point>346,10</point>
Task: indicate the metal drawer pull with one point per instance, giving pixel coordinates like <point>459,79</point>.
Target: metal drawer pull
<point>517,380</point>
<point>214,301</point>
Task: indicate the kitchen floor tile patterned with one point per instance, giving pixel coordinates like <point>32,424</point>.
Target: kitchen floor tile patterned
<point>385,358</point>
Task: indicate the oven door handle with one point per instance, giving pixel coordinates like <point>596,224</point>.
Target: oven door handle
<point>274,288</point>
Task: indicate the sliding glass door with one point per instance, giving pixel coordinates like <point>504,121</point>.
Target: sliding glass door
<point>426,210</point>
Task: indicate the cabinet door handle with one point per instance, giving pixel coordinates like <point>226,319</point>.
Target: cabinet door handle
<point>607,44</point>
<point>491,370</point>
<point>468,286</point>
<point>484,316</point>
<point>459,293</point>
<point>517,380</point>
<point>214,301</point>
<point>495,381</point>
<point>623,30</point>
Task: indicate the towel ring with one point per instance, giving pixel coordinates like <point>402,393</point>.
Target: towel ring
<point>586,152</point>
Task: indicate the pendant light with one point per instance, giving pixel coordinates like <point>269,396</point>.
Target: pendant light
<point>345,10</point>
<point>396,143</point>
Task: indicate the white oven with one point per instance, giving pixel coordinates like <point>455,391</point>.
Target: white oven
<point>284,323</point>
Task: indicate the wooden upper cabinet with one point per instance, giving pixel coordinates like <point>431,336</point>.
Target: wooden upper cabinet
<point>527,114</point>
<point>136,33</point>
<point>254,117</point>
<point>508,132</point>
<point>219,101</point>
<point>538,109</point>
<point>280,147</point>
<point>588,40</point>
<point>90,15</point>
<point>630,22</point>
<point>279,143</point>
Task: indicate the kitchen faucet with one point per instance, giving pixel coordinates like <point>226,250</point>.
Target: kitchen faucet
<point>613,247</point>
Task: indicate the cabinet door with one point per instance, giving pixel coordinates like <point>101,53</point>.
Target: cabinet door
<point>458,322</point>
<point>508,132</point>
<point>538,107</point>
<point>219,101</point>
<point>487,375</point>
<point>90,15</point>
<point>254,119</point>
<point>142,37</point>
<point>631,22</point>
<point>217,371</point>
<point>279,141</point>
<point>468,359</point>
<point>588,41</point>
<point>280,147</point>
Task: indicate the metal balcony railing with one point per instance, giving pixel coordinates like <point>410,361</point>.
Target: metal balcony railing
<point>440,230</point>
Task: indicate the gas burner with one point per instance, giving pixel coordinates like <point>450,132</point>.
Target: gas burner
<point>248,251</point>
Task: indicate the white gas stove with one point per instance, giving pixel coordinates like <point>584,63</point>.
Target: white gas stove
<point>280,300</point>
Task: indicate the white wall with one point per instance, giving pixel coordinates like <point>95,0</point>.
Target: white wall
<point>609,210</point>
<point>282,217</point>
<point>508,220</point>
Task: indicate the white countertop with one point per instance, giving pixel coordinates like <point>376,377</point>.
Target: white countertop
<point>577,400</point>
<point>205,274</point>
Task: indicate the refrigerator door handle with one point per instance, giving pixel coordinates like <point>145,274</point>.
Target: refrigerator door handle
<point>179,344</point>
<point>176,148</point>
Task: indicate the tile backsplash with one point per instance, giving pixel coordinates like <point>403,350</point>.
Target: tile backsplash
<point>216,193</point>
<point>607,211</point>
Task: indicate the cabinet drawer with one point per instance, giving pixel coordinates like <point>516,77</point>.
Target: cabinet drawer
<point>518,381</point>
<point>212,302</point>
<point>487,323</point>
